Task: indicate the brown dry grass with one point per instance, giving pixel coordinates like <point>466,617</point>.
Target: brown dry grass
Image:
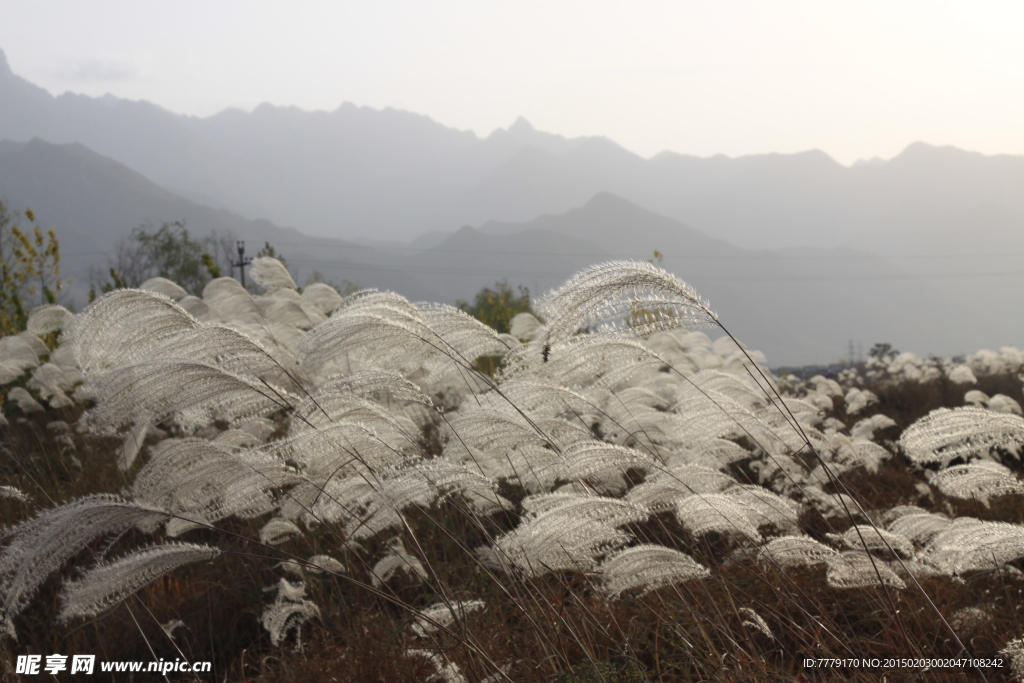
<point>557,628</point>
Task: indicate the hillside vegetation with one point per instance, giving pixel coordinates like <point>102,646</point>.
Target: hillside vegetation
<point>304,486</point>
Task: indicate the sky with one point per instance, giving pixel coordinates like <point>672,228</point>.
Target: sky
<point>856,79</point>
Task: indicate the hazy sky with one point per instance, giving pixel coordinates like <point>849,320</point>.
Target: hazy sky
<point>856,79</point>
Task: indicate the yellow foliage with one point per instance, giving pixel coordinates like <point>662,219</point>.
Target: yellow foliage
<point>29,270</point>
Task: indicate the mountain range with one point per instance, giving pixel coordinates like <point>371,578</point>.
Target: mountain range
<point>804,254</point>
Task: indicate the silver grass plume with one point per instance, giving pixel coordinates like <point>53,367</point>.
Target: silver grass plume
<point>444,669</point>
<point>877,540</point>
<point>16,356</point>
<point>766,507</point>
<point>856,569</point>
<point>236,439</point>
<point>41,545</point>
<point>501,428</point>
<point>465,336</point>
<point>327,407</point>
<point>49,318</point>
<point>270,274</point>
<point>540,503</point>
<point>649,566</point>
<point>343,447</point>
<point>161,285</point>
<point>632,295</point>
<point>866,428</point>
<point>796,551</point>
<point>580,361</point>
<point>1014,651</point>
<point>661,491</point>
<point>397,334</point>
<point>12,493</point>
<point>380,385</point>
<point>260,427</point>
<point>199,479</point>
<point>370,299</point>
<point>945,434</point>
<point>753,620</point>
<point>718,512</point>
<point>123,325</point>
<point>537,398</point>
<point>171,626</point>
<point>322,298</point>
<point>979,480</point>
<point>700,418</point>
<point>724,452</point>
<point>420,483</point>
<point>830,505</point>
<point>229,300</point>
<point>50,381</point>
<point>109,583</point>
<point>289,612</point>
<point>970,544</point>
<point>193,394</point>
<point>524,326</point>
<point>199,309</point>
<point>397,559</point>
<point>740,388</point>
<point>586,458</point>
<point>970,618</point>
<point>532,464</point>
<point>131,445</point>
<point>444,614</point>
<point>220,346</point>
<point>381,336</point>
<point>319,564</point>
<point>279,310</point>
<point>919,526</point>
<point>277,531</point>
<point>568,536</point>
<point>342,497</point>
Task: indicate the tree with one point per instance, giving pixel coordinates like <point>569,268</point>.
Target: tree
<point>883,351</point>
<point>498,305</point>
<point>268,250</point>
<point>169,252</point>
<point>29,269</point>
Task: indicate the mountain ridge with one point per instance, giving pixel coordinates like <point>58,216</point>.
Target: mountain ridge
<point>355,171</point>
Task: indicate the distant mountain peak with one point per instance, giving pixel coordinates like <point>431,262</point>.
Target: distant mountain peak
<point>521,125</point>
<point>924,150</point>
<point>5,68</point>
<point>605,199</point>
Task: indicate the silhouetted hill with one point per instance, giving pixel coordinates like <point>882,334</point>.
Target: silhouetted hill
<point>949,223</point>
<point>794,304</point>
<point>93,201</point>
<point>358,172</point>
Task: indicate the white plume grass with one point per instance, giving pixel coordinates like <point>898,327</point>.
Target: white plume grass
<point>42,544</point>
<point>109,583</point>
<point>622,295</point>
<point>945,434</point>
<point>270,274</point>
<point>649,567</point>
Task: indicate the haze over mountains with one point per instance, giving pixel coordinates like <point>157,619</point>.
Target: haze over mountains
<point>802,253</point>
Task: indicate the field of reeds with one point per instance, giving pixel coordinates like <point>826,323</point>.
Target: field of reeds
<point>300,486</point>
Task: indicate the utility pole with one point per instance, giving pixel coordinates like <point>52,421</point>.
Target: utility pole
<point>851,360</point>
<point>242,261</point>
